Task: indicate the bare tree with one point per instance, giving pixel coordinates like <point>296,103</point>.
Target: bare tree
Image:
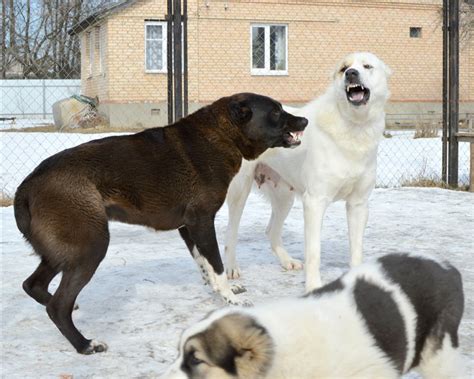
<point>4,40</point>
<point>466,22</point>
<point>38,38</point>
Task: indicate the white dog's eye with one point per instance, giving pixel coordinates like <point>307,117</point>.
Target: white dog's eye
<point>343,68</point>
<point>368,66</point>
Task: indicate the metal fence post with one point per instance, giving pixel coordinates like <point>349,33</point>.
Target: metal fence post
<point>169,57</point>
<point>44,97</point>
<point>185,57</point>
<point>453,80</point>
<point>444,155</point>
<point>178,67</point>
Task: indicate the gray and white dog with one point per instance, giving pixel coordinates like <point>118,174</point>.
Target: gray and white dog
<point>379,320</point>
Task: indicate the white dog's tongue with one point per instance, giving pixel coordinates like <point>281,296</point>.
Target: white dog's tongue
<point>357,96</point>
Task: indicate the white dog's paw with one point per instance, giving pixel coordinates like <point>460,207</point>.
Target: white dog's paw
<point>233,273</point>
<point>313,284</point>
<point>292,264</point>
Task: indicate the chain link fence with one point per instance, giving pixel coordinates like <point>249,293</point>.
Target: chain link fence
<point>72,70</point>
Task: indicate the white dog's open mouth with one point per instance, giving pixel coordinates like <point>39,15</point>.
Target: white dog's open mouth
<point>357,94</point>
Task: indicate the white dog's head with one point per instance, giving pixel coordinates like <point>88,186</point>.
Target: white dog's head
<point>360,82</point>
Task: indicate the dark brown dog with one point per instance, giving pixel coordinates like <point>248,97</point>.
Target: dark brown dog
<point>164,178</point>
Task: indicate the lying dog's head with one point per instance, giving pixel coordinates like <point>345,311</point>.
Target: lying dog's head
<point>232,345</point>
<point>361,79</point>
<point>263,122</point>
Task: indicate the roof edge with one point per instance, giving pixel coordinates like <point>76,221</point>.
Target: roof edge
<point>97,16</point>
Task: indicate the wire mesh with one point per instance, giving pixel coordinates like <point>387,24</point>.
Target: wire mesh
<point>115,52</point>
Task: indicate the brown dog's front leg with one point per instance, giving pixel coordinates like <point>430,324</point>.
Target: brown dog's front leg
<point>200,239</point>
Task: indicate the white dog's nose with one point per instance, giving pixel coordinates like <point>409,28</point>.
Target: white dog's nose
<point>352,74</point>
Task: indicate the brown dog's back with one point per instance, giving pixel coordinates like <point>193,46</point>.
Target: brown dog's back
<point>140,179</point>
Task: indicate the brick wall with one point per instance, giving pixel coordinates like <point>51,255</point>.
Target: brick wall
<point>319,34</point>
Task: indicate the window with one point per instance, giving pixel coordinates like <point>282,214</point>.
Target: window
<point>100,49</point>
<point>269,49</point>
<point>90,44</point>
<point>155,46</point>
<point>415,32</point>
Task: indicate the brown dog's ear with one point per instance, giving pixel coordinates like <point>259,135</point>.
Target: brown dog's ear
<point>239,111</point>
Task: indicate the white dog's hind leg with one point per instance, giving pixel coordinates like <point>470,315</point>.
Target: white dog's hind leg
<point>281,198</point>
<point>357,215</point>
<point>237,195</point>
<point>314,209</point>
<point>442,363</point>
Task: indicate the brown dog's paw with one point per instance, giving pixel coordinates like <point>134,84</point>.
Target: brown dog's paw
<point>237,288</point>
<point>95,347</point>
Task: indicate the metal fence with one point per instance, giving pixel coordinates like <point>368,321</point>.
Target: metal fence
<point>34,98</point>
<point>147,62</point>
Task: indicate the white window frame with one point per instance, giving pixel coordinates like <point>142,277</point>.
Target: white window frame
<point>90,42</point>
<point>266,70</point>
<point>164,26</point>
<point>100,48</point>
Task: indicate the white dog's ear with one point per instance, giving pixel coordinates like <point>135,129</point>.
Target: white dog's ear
<point>336,70</point>
<point>388,70</point>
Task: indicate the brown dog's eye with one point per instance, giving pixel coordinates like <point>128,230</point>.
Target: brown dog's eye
<point>368,66</point>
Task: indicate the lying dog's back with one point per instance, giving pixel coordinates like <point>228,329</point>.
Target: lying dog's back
<point>379,320</point>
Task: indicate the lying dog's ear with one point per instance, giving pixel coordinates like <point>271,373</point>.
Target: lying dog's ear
<point>251,342</point>
<point>240,112</point>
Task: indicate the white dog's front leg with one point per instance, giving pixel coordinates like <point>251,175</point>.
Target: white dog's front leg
<point>314,209</point>
<point>237,195</point>
<point>357,215</point>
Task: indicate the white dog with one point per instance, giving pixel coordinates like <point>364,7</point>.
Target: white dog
<point>379,320</point>
<point>336,160</point>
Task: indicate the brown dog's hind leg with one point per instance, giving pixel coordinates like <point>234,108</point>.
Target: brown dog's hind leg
<point>61,305</point>
<point>37,284</point>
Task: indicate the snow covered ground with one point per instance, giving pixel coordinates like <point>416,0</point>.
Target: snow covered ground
<point>148,289</point>
<point>400,158</point>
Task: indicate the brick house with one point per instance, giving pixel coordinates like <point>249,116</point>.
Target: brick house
<point>282,48</point>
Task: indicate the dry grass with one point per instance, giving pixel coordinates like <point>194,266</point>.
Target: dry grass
<point>427,129</point>
<point>432,182</point>
<point>5,200</point>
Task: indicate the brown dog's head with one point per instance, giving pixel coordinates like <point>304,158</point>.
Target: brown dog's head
<point>263,122</point>
<point>231,346</point>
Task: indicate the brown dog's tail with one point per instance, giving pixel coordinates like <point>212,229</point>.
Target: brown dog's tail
<point>22,211</point>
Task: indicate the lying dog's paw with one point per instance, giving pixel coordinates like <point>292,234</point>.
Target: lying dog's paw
<point>237,288</point>
<point>292,264</point>
<point>94,347</point>
<point>233,273</point>
<point>246,303</point>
